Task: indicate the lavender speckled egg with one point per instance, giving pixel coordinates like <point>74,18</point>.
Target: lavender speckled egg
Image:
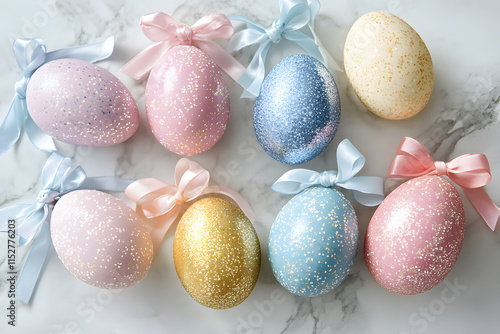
<point>415,236</point>
<point>81,104</point>
<point>313,242</point>
<point>187,101</point>
<point>297,112</point>
<point>101,240</point>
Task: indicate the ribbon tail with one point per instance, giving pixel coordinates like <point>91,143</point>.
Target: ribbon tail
<point>330,63</point>
<point>10,130</point>
<point>306,42</point>
<point>40,139</point>
<point>484,206</point>
<point>34,264</point>
<point>252,78</point>
<point>222,58</point>
<point>142,63</point>
<point>12,213</point>
<point>367,190</point>
<point>236,197</point>
<point>295,181</point>
<point>159,226</point>
<point>90,53</point>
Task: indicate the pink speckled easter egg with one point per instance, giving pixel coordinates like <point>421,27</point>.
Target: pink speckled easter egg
<point>415,236</point>
<point>81,104</point>
<point>100,239</point>
<point>187,101</point>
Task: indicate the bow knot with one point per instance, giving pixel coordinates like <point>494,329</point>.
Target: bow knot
<point>470,171</point>
<point>179,198</point>
<point>168,33</point>
<point>18,117</point>
<point>294,15</point>
<point>367,190</point>
<point>274,31</point>
<point>328,178</point>
<point>48,196</point>
<point>184,34</point>
<point>155,198</point>
<point>21,87</point>
<point>441,168</point>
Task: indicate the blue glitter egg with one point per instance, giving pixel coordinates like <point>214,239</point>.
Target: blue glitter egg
<point>313,242</point>
<point>297,112</point>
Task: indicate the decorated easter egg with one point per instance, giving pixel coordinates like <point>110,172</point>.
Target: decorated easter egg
<point>100,239</point>
<point>216,253</point>
<point>313,242</point>
<point>388,66</point>
<point>415,236</point>
<point>81,103</point>
<point>187,101</point>
<point>298,110</point>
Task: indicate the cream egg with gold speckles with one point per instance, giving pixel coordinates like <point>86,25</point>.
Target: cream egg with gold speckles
<point>216,253</point>
<point>313,242</point>
<point>388,66</point>
<point>100,239</point>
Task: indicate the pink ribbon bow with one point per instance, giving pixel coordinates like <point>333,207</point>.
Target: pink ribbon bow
<point>469,171</point>
<point>158,199</point>
<point>167,32</point>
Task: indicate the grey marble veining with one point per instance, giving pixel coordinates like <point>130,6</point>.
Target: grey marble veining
<point>463,116</point>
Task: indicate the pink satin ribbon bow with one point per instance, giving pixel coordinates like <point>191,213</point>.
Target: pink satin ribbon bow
<point>167,32</point>
<point>469,171</point>
<point>158,199</point>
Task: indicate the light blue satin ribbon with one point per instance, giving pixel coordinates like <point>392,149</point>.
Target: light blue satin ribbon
<point>294,15</point>
<point>18,116</point>
<point>59,177</point>
<point>367,190</point>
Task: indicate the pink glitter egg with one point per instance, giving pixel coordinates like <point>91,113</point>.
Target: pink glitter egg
<point>101,240</point>
<point>187,101</point>
<point>415,236</point>
<point>81,104</point>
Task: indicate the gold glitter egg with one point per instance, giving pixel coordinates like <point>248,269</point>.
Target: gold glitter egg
<point>216,253</point>
<point>388,65</point>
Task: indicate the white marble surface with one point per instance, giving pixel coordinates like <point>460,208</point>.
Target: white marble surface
<point>461,117</point>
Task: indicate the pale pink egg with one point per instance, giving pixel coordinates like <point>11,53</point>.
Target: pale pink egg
<point>415,236</point>
<point>101,240</point>
<point>187,101</point>
<point>81,104</point>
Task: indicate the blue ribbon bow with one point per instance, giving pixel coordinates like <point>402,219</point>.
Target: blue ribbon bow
<point>294,15</point>
<point>59,177</point>
<point>367,190</point>
<point>18,116</point>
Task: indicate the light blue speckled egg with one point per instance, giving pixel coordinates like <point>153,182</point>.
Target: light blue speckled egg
<point>297,112</point>
<point>313,242</point>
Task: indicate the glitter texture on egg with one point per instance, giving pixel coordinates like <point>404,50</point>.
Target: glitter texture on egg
<point>297,112</point>
<point>81,104</point>
<point>216,253</point>
<point>101,240</point>
<point>187,101</point>
<point>313,242</point>
<point>415,236</point>
<point>388,66</point>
